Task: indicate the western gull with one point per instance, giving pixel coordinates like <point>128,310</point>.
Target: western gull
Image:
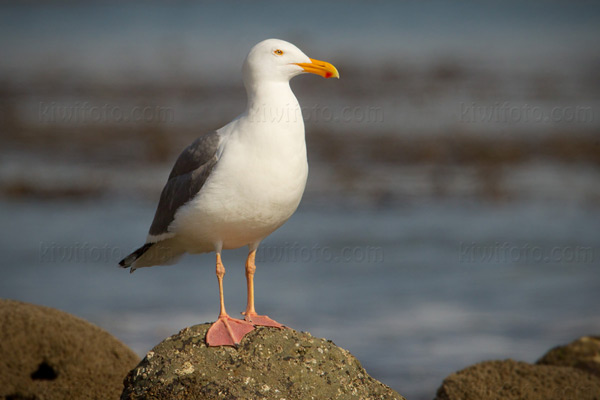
<point>233,187</point>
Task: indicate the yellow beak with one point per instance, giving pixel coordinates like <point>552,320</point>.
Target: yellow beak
<point>322,68</point>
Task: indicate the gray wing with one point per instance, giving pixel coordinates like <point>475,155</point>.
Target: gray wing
<point>190,172</point>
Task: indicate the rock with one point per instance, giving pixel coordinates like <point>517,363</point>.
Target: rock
<point>269,363</point>
<point>47,354</point>
<point>508,380</point>
<point>583,353</point>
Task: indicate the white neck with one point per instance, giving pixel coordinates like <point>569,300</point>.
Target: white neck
<point>273,102</point>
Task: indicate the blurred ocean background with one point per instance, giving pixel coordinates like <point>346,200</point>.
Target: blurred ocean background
<point>452,213</point>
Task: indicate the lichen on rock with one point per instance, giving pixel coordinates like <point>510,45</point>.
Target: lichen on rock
<point>268,364</point>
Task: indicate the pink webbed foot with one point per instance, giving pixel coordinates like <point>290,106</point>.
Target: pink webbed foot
<point>261,320</point>
<point>227,331</point>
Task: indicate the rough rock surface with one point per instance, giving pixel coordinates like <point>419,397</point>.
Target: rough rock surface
<point>514,380</point>
<point>583,353</point>
<point>47,354</point>
<point>268,364</point>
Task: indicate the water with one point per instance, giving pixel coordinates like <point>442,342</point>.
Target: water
<point>530,63</point>
<point>415,292</point>
<point>151,39</point>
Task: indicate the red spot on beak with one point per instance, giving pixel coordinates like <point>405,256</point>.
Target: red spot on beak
<point>328,74</point>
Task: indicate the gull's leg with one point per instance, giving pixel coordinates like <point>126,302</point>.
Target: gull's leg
<point>220,274</point>
<point>226,331</point>
<point>250,313</point>
<point>250,269</point>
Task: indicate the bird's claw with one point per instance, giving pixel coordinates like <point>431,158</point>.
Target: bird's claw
<point>261,320</point>
<point>227,331</point>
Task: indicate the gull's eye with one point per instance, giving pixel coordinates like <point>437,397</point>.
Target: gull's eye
<point>278,52</point>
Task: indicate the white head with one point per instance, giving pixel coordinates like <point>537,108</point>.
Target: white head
<point>279,61</point>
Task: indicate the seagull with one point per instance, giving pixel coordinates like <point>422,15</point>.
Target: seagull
<point>235,186</point>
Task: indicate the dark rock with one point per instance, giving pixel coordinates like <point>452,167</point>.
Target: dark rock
<point>508,380</point>
<point>49,354</point>
<point>269,363</point>
<point>583,353</point>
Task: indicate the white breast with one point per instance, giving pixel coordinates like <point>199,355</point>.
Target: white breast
<point>255,187</point>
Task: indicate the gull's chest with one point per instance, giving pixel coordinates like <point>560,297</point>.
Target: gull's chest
<point>258,183</point>
<point>266,171</point>
<point>251,192</point>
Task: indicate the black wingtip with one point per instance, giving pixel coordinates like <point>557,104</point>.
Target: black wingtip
<point>130,259</point>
